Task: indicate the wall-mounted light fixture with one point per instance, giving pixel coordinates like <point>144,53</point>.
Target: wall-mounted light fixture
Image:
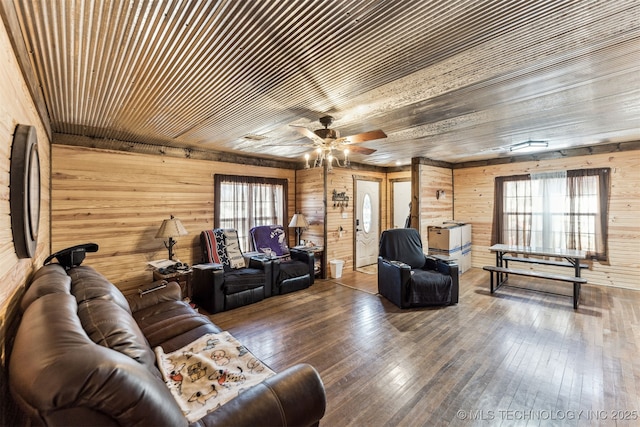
<point>441,194</point>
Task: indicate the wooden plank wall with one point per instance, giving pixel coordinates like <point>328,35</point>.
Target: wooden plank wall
<point>317,206</point>
<point>16,108</point>
<point>119,199</point>
<point>310,201</point>
<point>430,210</point>
<point>340,245</point>
<point>474,203</point>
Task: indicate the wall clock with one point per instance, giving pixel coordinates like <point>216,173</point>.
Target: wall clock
<point>24,195</point>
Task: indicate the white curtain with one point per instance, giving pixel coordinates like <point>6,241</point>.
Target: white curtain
<point>563,210</point>
<point>550,208</point>
<point>245,202</point>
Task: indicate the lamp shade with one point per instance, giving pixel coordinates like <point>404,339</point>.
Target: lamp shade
<point>298,220</point>
<point>171,228</point>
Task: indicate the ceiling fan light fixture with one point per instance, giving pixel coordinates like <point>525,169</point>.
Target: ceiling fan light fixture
<point>326,140</point>
<point>528,146</point>
<point>323,154</point>
<point>327,133</point>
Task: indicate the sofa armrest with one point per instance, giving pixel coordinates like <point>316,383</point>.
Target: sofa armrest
<point>448,268</point>
<point>206,286</point>
<point>393,280</point>
<point>306,257</point>
<point>139,301</point>
<point>454,272</point>
<point>266,265</point>
<point>259,261</point>
<point>294,397</point>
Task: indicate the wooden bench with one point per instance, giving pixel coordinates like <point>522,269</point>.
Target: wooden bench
<point>541,261</point>
<point>577,281</point>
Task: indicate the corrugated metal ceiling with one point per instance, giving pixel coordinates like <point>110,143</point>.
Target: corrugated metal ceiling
<point>447,80</point>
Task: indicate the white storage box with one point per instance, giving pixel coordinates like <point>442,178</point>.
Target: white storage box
<point>445,237</point>
<point>452,239</point>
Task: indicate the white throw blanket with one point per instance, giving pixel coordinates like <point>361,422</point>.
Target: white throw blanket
<point>209,372</point>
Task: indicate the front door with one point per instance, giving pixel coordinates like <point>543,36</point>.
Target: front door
<point>367,221</point>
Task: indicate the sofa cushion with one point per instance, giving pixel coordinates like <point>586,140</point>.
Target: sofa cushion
<point>243,279</point>
<point>430,287</point>
<point>172,324</point>
<point>106,317</point>
<point>109,325</point>
<point>291,269</point>
<point>49,279</point>
<point>88,284</point>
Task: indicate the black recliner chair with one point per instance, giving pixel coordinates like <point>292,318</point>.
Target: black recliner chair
<point>291,269</point>
<point>225,280</point>
<point>409,278</point>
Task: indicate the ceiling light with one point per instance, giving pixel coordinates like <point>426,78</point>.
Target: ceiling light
<point>324,155</point>
<point>529,146</point>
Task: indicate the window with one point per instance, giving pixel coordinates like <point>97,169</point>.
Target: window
<point>243,202</point>
<point>563,210</point>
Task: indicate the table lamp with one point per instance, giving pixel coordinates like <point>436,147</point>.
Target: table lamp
<point>298,222</point>
<point>171,228</point>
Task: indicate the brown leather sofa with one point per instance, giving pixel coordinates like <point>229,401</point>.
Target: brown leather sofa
<point>83,355</point>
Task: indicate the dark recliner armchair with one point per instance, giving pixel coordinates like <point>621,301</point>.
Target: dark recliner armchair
<point>291,270</point>
<point>409,278</point>
<point>225,280</point>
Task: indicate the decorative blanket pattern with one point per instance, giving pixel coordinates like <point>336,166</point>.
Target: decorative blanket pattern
<point>222,247</point>
<point>270,237</point>
<point>209,372</point>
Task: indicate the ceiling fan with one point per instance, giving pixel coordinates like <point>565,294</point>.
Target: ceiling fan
<point>326,140</point>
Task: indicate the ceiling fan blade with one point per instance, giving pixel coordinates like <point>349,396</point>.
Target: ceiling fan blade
<point>288,144</point>
<point>360,150</point>
<point>309,134</point>
<point>365,136</point>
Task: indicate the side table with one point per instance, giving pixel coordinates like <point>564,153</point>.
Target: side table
<point>318,256</point>
<point>182,277</point>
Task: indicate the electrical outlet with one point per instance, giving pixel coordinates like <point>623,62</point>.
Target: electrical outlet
<point>345,215</point>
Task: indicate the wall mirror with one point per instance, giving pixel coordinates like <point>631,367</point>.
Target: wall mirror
<point>24,192</point>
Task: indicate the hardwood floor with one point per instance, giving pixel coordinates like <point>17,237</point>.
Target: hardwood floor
<point>518,357</point>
